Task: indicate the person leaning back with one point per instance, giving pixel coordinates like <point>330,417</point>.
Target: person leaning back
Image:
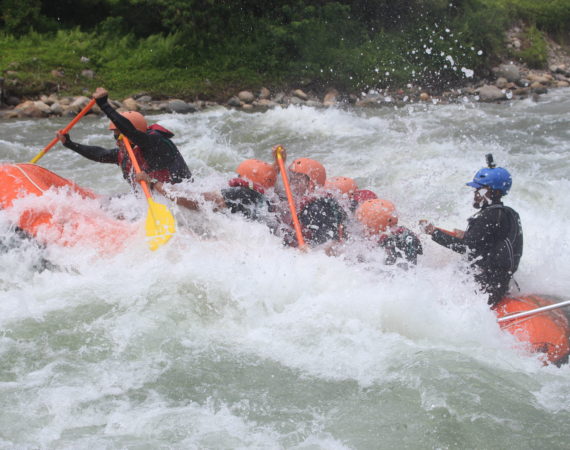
<point>156,154</point>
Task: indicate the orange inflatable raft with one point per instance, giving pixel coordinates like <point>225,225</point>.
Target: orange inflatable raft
<point>547,332</point>
<point>71,217</point>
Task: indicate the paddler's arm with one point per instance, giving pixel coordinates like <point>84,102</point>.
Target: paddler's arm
<point>92,152</point>
<point>182,201</point>
<point>124,125</point>
<point>446,239</point>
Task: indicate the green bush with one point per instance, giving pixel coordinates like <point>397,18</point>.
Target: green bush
<point>535,52</point>
<point>192,47</point>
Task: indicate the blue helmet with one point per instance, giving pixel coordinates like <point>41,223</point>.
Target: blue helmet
<point>496,178</point>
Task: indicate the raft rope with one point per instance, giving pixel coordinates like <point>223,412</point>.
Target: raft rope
<point>29,179</point>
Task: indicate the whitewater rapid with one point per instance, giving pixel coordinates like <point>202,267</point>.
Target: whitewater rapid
<point>226,339</point>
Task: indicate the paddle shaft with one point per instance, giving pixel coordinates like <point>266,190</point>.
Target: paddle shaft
<point>136,166</point>
<point>290,200</point>
<point>64,131</point>
<point>533,311</point>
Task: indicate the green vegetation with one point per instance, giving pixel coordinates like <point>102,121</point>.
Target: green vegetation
<point>534,53</point>
<point>211,49</point>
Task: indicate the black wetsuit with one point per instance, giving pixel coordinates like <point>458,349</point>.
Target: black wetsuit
<point>401,243</point>
<point>321,218</point>
<point>249,202</point>
<point>494,242</point>
<point>158,151</point>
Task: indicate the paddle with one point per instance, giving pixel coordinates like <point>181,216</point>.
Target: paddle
<point>533,311</point>
<point>64,131</point>
<point>160,223</point>
<point>278,154</point>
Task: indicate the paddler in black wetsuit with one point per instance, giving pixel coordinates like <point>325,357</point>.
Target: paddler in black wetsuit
<point>320,215</point>
<point>155,152</point>
<point>379,221</point>
<point>493,239</point>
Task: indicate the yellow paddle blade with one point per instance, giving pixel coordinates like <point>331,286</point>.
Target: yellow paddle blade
<point>160,224</point>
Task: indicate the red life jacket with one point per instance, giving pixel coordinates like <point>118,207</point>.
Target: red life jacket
<point>241,182</point>
<point>124,162</point>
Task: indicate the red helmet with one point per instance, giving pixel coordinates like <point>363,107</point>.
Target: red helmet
<point>377,215</point>
<point>136,118</point>
<point>344,185</point>
<point>313,169</point>
<point>258,171</point>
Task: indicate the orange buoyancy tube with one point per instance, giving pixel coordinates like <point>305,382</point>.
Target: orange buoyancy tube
<point>547,332</point>
<point>21,180</point>
<point>67,227</point>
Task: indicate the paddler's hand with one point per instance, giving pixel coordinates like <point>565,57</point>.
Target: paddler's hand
<point>100,92</point>
<point>459,233</point>
<point>426,226</point>
<point>216,199</point>
<point>63,138</point>
<point>143,176</point>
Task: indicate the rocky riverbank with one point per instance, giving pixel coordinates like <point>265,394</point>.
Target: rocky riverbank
<point>509,81</point>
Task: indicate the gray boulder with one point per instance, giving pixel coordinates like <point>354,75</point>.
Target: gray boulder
<point>234,101</point>
<point>508,71</point>
<point>491,94</point>
<point>246,97</point>
<point>181,107</point>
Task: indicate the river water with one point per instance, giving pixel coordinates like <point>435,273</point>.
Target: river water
<point>225,339</point>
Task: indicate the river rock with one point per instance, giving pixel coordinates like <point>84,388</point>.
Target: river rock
<point>264,93</point>
<point>424,96</point>
<point>180,107</point>
<point>538,88</point>
<point>144,99</point>
<point>88,73</point>
<point>508,71</point>
<point>296,101</point>
<point>279,98</point>
<point>523,91</point>
<point>153,107</point>
<point>24,104</point>
<point>11,114</point>
<point>266,103</point>
<point>56,109</point>
<point>489,93</point>
<point>246,97</point>
<point>501,82</point>
<point>130,104</point>
<point>234,101</point>
<point>368,101</point>
<point>42,107</point>
<point>298,93</point>
<point>57,74</point>
<point>247,107</point>
<point>12,101</point>
<point>536,78</point>
<point>78,104</point>
<point>29,109</point>
<point>562,83</point>
<point>330,98</point>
